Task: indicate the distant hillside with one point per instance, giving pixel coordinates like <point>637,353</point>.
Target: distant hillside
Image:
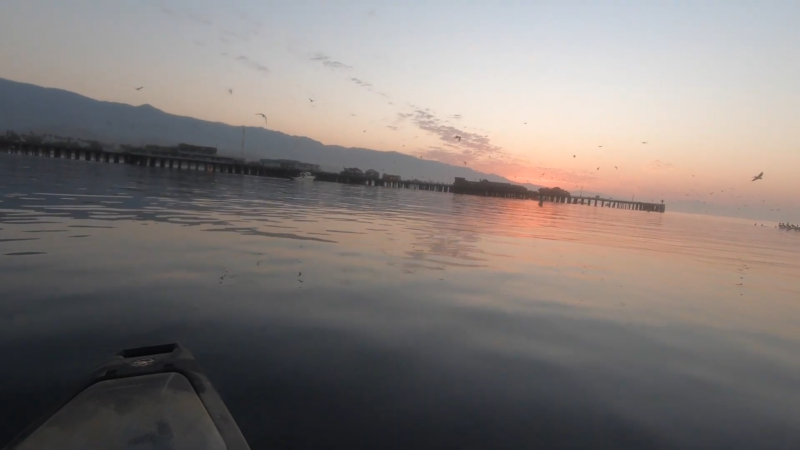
<point>29,108</point>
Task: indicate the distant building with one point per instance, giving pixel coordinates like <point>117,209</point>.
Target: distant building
<point>289,164</point>
<point>352,171</point>
<point>555,192</point>
<point>196,150</point>
<point>372,173</point>
<point>182,152</point>
<point>387,177</point>
<point>488,188</point>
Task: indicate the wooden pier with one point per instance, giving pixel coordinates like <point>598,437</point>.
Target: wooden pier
<point>605,203</point>
<point>218,164</point>
<point>367,181</point>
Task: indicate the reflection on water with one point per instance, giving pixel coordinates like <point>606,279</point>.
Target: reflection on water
<point>335,316</point>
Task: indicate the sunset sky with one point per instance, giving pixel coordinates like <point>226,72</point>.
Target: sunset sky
<point>711,86</point>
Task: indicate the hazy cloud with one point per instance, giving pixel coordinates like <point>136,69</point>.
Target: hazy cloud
<point>361,83</point>
<point>253,65</point>
<point>228,33</point>
<point>658,166</point>
<point>187,15</point>
<point>197,18</point>
<point>456,117</point>
<point>328,62</point>
<point>372,13</point>
<point>392,127</point>
<point>471,145</point>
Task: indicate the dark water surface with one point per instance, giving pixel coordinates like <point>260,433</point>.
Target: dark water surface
<point>339,317</point>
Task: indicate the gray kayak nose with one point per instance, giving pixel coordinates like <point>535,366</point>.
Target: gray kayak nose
<point>144,398</point>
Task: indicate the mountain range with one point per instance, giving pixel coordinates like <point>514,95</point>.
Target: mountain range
<point>30,108</point>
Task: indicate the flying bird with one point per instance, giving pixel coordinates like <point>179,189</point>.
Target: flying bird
<point>458,138</point>
<point>465,163</point>
<point>644,142</point>
<point>598,168</point>
<point>311,100</point>
<point>758,177</point>
<point>573,156</point>
<point>264,116</point>
<point>616,167</point>
<point>230,91</point>
<point>599,146</point>
<point>364,131</point>
<point>139,88</point>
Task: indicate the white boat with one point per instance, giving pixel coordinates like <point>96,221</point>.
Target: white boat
<point>305,176</point>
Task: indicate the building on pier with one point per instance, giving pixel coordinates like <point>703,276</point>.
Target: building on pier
<point>352,171</point>
<point>488,188</point>
<point>391,178</point>
<point>182,152</point>
<point>290,164</point>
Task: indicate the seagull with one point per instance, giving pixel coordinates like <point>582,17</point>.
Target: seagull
<point>364,131</point>
<point>616,167</point>
<point>311,100</point>
<point>265,117</point>
<point>230,91</point>
<point>758,177</point>
<point>573,156</point>
<point>644,143</point>
<point>598,168</point>
<point>465,163</point>
<point>599,146</point>
<point>139,88</point>
<point>458,138</point>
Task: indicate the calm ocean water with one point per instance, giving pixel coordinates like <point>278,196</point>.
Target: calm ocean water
<point>333,316</point>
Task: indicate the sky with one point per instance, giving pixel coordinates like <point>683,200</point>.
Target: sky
<point>556,93</point>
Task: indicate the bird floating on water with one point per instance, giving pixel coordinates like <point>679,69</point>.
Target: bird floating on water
<point>758,177</point>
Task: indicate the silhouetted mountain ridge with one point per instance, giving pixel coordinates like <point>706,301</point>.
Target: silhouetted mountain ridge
<point>28,107</point>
